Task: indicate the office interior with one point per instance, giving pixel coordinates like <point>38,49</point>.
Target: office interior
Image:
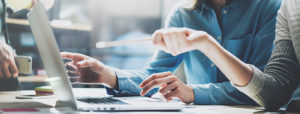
<point>79,24</point>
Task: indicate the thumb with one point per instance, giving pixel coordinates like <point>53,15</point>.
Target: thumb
<point>197,35</point>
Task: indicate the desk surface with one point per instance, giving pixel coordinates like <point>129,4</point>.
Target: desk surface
<point>8,100</point>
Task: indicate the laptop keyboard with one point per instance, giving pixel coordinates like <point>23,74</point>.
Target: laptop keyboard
<point>103,100</point>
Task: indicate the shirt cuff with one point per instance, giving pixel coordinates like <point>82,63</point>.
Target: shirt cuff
<point>200,96</point>
<point>122,81</point>
<point>255,85</point>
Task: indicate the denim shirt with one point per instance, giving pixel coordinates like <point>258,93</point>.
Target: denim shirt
<point>246,29</point>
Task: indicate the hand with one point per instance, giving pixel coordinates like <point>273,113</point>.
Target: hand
<point>170,85</point>
<point>8,66</point>
<point>89,70</point>
<point>179,40</point>
<point>47,3</point>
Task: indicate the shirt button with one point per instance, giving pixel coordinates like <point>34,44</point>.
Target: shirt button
<point>212,65</point>
<point>219,37</point>
<point>225,11</point>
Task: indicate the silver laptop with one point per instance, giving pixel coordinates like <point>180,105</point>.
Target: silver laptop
<point>61,85</point>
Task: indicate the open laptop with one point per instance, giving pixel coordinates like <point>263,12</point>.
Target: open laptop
<point>61,85</point>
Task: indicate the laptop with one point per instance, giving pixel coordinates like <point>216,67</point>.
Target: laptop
<point>49,51</point>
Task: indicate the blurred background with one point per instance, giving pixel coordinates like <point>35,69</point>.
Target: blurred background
<point>79,24</point>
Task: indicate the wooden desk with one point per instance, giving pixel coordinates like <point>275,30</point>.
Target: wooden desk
<point>7,100</point>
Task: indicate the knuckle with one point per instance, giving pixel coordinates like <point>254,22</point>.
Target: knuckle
<point>178,32</point>
<point>157,33</point>
<point>154,76</point>
<point>155,81</point>
<point>169,73</point>
<point>5,58</point>
<point>146,88</point>
<point>168,34</point>
<point>161,90</point>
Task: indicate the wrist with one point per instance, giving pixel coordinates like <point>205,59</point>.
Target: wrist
<point>192,95</point>
<point>110,77</point>
<point>207,45</point>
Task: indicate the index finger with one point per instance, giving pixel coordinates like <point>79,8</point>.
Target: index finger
<point>155,76</point>
<point>72,56</point>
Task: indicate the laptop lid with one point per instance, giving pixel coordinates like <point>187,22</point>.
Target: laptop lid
<point>56,71</point>
<point>49,52</point>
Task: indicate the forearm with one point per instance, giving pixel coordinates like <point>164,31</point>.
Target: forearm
<point>234,69</point>
<point>128,82</point>
<point>219,94</point>
<point>279,79</point>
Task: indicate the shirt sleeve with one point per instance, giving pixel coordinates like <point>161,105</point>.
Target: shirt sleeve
<point>274,87</point>
<point>219,93</point>
<point>262,43</point>
<point>258,55</point>
<point>129,80</point>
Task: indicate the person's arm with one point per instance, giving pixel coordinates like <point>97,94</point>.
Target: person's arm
<point>181,40</point>
<point>273,87</point>
<point>270,89</point>
<point>261,46</point>
<point>8,67</point>
<point>219,93</point>
<point>128,81</point>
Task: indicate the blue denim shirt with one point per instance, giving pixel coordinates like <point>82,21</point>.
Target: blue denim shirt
<point>246,29</point>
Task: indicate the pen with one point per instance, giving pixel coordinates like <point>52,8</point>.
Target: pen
<point>119,43</point>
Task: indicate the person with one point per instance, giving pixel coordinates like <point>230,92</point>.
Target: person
<point>9,70</point>
<point>8,67</point>
<point>243,27</point>
<point>274,87</point>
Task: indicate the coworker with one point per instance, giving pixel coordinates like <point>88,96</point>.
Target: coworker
<point>273,87</point>
<point>8,68</point>
<point>243,27</point>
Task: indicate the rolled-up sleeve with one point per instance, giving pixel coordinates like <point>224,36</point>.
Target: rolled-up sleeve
<point>273,87</point>
<point>255,85</point>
